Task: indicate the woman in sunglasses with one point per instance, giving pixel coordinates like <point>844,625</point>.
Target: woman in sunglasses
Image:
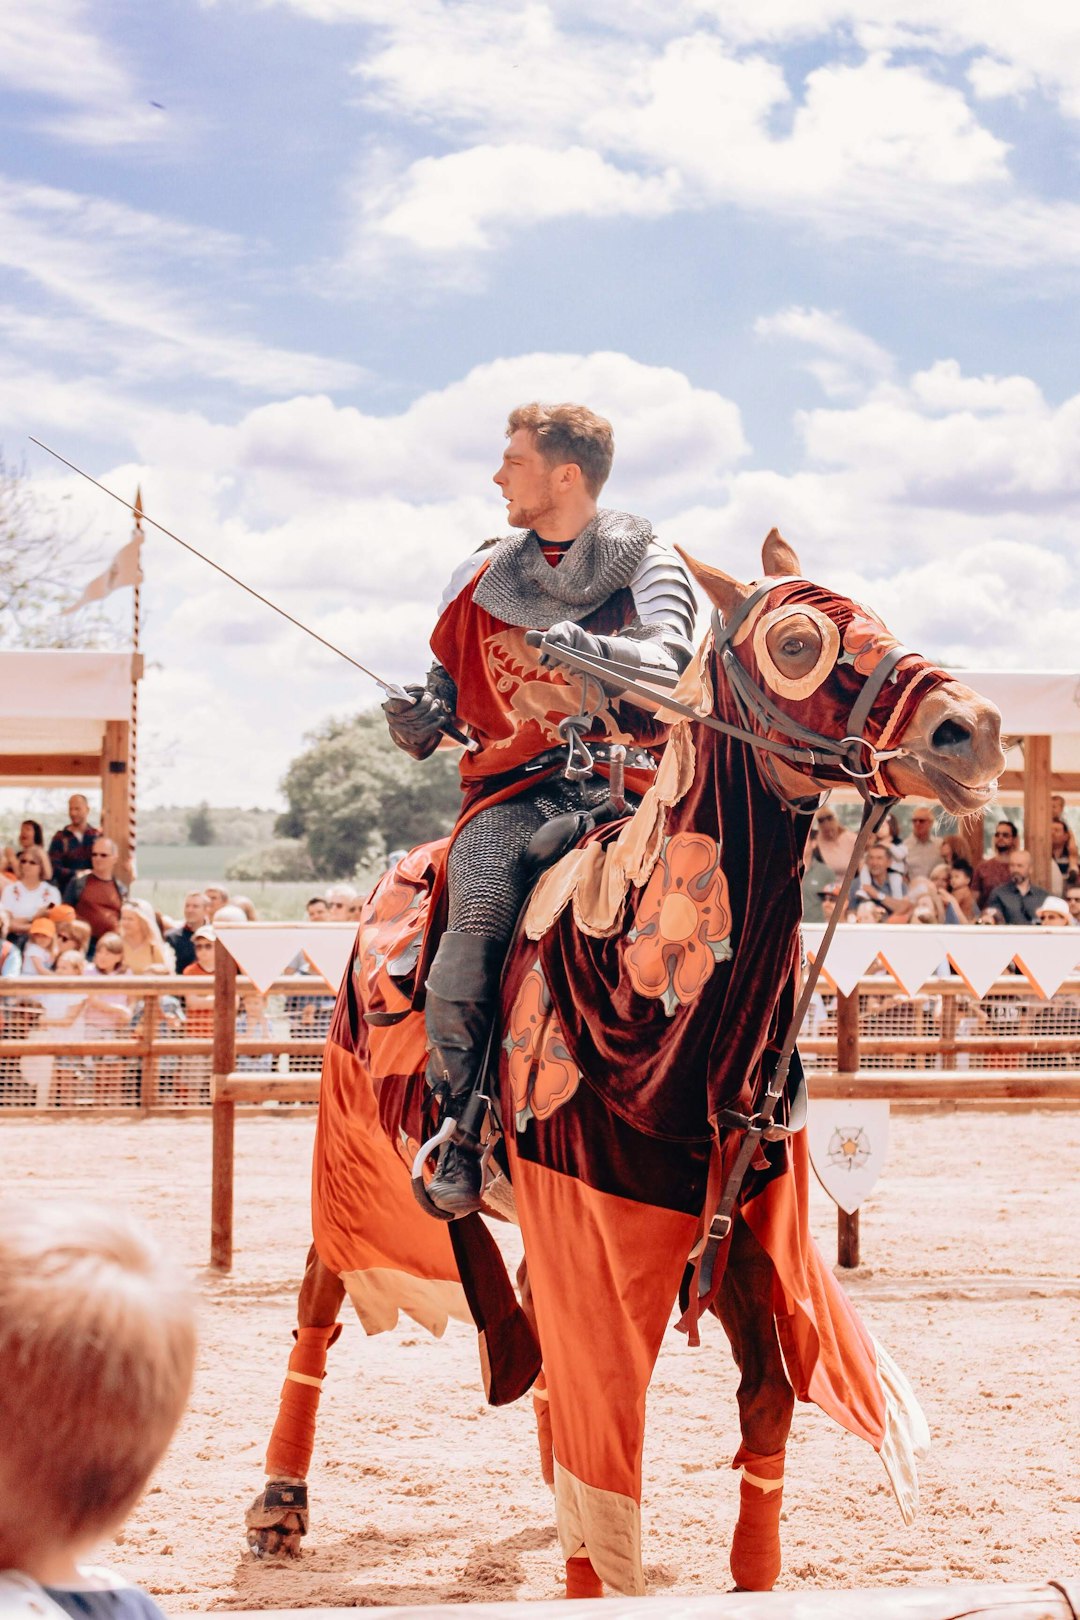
<point>31,893</point>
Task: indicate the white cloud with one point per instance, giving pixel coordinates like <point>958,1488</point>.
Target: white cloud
<point>469,200</point>
<point>950,503</point>
<point>992,80</point>
<point>845,360</point>
<point>49,49</point>
<point>88,254</point>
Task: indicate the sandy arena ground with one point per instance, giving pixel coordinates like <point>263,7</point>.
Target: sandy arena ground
<point>422,1494</point>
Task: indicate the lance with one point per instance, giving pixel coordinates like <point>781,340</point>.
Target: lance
<point>391,688</point>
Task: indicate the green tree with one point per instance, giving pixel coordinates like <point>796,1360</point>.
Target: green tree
<point>352,790</point>
<point>200,825</point>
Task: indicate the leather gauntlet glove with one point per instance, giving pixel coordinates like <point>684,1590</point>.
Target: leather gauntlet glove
<point>416,726</point>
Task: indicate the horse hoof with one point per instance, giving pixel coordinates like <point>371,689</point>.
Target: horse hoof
<point>277,1521</point>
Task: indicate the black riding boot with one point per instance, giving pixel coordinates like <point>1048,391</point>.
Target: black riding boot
<point>462,991</point>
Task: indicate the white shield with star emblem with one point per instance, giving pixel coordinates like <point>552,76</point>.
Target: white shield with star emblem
<point>848,1142</point>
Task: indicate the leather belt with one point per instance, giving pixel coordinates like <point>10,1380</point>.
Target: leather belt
<point>637,759</point>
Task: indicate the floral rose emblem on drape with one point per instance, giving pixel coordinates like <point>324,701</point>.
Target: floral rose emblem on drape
<point>866,642</point>
<point>683,923</point>
<point>542,1073</point>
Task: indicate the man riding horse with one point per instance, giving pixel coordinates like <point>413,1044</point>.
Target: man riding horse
<point>595,581</point>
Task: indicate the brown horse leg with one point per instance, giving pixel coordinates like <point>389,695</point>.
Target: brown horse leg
<point>278,1517</point>
<point>766,1402</point>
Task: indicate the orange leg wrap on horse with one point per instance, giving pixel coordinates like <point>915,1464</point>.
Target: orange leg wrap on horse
<point>542,1413</point>
<point>582,1581</point>
<point>293,1438</point>
<point>755,1546</point>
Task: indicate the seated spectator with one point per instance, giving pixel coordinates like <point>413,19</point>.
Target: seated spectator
<point>878,883</point>
<point>339,897</point>
<point>939,879</point>
<point>63,1018</point>
<point>830,896</point>
<point>889,834</point>
<point>182,938</point>
<point>72,935</point>
<point>98,895</point>
<point>30,835</point>
<point>1072,900</point>
<point>108,1017</point>
<point>831,842</point>
<point>1064,856</point>
<point>1053,913</point>
<point>963,895</point>
<point>97,1335</point>
<point>1018,900</point>
<point>39,952</point>
<point>316,909</point>
<point>994,870</point>
<point>144,949</point>
<point>216,897</point>
<point>70,848</point>
<point>10,958</point>
<point>31,894</point>
<point>922,849</point>
<point>195,1068</point>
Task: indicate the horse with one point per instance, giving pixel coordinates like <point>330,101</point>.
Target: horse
<point>648,1133</point>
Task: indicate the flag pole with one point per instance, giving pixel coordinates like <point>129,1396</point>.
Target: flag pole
<point>133,747</point>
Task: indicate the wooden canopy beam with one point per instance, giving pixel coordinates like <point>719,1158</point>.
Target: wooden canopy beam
<point>50,765</point>
<point>1037,791</point>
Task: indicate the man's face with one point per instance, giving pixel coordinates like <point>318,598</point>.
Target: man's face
<point>338,909</point>
<point>527,483</point>
<point>194,910</point>
<point>1004,838</point>
<point>316,911</point>
<point>215,899</point>
<point>1072,900</point>
<point>921,823</point>
<point>1052,919</point>
<point>877,862</point>
<point>102,859</point>
<point>78,811</point>
<point>1020,866</point>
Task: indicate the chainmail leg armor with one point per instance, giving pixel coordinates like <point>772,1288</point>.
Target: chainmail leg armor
<point>486,871</point>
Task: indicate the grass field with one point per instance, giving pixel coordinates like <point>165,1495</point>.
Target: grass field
<point>169,871</point>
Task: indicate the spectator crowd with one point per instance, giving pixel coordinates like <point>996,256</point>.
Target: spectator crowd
<point>924,878</point>
<point>65,913</point>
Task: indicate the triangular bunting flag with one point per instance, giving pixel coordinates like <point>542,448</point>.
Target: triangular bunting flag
<point>329,948</point>
<point>260,950</point>
<point>851,955</point>
<point>980,955</point>
<point>913,954</point>
<point>1048,956</point>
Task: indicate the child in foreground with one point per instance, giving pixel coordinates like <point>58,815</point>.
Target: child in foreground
<point>97,1342</point>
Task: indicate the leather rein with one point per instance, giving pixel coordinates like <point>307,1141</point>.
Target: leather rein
<point>859,759</point>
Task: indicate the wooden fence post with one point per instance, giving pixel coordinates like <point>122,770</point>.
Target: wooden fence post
<point>223,1110</point>
<point>847,1062</point>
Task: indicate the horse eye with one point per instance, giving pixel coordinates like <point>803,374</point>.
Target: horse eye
<point>793,646</point>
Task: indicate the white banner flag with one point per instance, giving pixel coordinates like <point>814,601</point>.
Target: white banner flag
<point>125,569</point>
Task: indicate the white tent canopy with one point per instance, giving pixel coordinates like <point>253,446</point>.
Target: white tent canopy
<point>65,717</point>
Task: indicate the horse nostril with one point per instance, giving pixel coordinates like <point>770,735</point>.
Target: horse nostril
<point>951,734</point>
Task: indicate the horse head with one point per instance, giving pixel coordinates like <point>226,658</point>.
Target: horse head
<point>836,697</point>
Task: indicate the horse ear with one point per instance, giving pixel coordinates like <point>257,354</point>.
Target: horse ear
<point>777,556</point>
<point>723,592</point>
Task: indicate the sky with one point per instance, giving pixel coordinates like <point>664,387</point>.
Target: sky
<point>288,265</point>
